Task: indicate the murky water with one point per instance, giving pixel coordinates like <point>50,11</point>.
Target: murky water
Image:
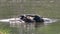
<point>14,22</point>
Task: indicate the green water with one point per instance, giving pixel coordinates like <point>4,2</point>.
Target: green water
<point>45,8</point>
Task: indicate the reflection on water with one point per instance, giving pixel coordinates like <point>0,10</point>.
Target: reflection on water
<point>31,28</point>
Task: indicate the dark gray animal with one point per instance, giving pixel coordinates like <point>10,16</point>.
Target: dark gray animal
<point>36,19</point>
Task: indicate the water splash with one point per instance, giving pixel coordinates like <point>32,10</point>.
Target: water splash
<point>46,20</point>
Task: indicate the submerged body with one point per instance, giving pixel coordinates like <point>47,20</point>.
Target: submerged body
<point>46,20</point>
<point>29,19</point>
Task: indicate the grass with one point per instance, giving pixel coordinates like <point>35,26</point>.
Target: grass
<point>45,8</point>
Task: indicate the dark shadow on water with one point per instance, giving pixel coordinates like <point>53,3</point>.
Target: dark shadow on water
<point>39,24</point>
<point>30,28</point>
<point>33,27</point>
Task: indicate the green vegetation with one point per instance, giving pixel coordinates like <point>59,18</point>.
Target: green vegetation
<point>45,8</point>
